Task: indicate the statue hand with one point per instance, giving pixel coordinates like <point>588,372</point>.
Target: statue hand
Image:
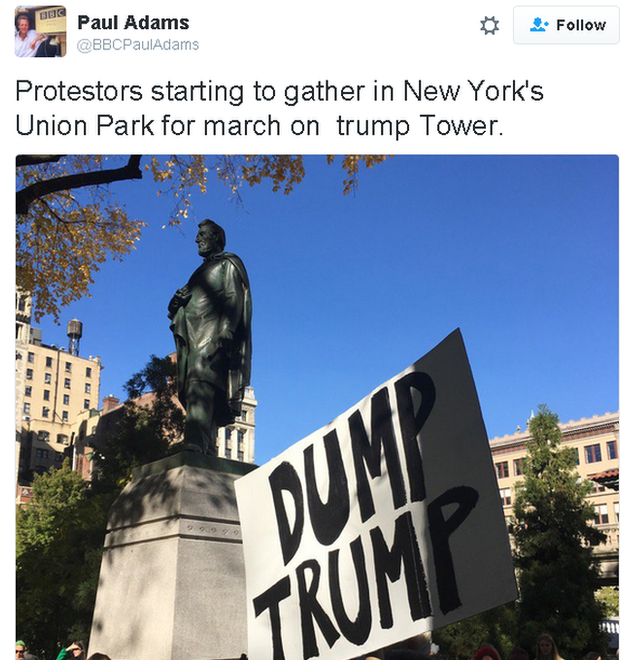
<point>183,293</point>
<point>180,298</point>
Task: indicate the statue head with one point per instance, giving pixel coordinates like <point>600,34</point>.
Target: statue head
<point>211,238</point>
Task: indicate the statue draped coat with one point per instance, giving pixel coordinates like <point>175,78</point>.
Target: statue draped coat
<point>219,304</point>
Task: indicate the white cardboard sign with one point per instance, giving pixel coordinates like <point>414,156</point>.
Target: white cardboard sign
<point>383,524</point>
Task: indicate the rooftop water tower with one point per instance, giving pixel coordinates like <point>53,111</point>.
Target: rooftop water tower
<point>74,332</point>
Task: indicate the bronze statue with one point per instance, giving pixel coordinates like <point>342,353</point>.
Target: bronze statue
<point>211,323</point>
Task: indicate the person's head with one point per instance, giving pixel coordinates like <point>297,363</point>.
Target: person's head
<point>592,655</point>
<point>21,648</point>
<point>22,24</point>
<point>98,656</point>
<point>519,654</point>
<point>486,652</point>
<point>547,648</point>
<point>211,238</point>
<point>77,650</point>
<point>419,643</point>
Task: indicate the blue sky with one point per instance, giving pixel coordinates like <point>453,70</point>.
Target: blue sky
<point>520,253</point>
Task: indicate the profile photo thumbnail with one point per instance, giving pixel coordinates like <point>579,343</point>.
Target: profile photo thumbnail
<point>40,31</point>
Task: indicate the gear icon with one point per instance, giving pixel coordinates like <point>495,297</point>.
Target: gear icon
<point>489,25</point>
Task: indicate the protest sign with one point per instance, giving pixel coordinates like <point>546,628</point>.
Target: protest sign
<point>383,524</point>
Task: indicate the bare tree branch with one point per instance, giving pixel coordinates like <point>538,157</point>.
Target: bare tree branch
<point>27,195</point>
<point>23,161</point>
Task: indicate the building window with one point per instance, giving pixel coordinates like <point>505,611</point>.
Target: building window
<point>45,412</point>
<point>88,372</point>
<point>31,357</point>
<point>65,399</point>
<point>228,443</point>
<point>602,516</point>
<point>22,303</point>
<point>87,404</point>
<point>46,395</point>
<point>26,409</point>
<point>43,436</point>
<point>65,415</point>
<point>509,521</point>
<point>47,379</point>
<point>592,454</point>
<point>67,367</point>
<point>49,362</point>
<point>518,467</point>
<point>576,454</point>
<point>67,383</point>
<point>87,388</point>
<point>612,450</point>
<point>42,453</point>
<point>502,469</point>
<point>505,496</point>
<point>243,415</point>
<point>616,508</point>
<point>29,374</point>
<point>27,390</point>
<point>59,457</point>
<point>63,439</point>
<point>240,455</point>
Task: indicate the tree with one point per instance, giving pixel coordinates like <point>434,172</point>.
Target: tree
<point>496,627</point>
<point>554,537</point>
<point>69,220</point>
<point>151,423</point>
<point>609,598</point>
<point>60,534</point>
<point>63,237</point>
<point>58,548</point>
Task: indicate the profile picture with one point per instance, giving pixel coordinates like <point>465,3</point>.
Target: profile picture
<point>41,31</point>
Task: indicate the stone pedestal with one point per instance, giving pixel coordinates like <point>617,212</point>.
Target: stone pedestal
<point>172,583</point>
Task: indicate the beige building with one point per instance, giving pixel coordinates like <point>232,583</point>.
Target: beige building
<point>237,441</point>
<point>57,403</point>
<point>595,441</point>
<point>53,386</point>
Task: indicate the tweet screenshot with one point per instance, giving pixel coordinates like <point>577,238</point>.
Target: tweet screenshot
<point>324,318</point>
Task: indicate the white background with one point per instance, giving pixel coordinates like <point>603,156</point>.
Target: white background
<point>590,107</point>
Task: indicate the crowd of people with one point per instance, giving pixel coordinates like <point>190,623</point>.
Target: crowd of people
<point>546,649</point>
<point>419,648</point>
<point>75,651</point>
